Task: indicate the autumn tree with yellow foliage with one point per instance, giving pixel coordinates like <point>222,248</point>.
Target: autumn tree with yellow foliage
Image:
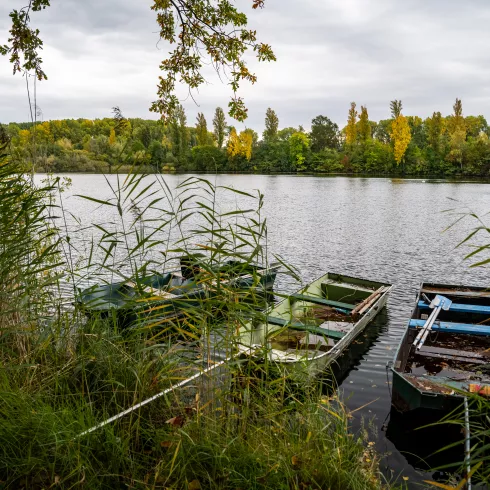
<point>400,131</point>
<point>457,134</point>
<point>364,126</point>
<point>112,137</point>
<point>240,145</point>
<point>351,129</point>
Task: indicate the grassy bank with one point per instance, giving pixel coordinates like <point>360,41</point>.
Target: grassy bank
<point>64,371</point>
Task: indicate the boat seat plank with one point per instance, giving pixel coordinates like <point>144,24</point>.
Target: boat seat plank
<point>449,357</point>
<point>460,308</point>
<point>455,292</point>
<point>306,328</point>
<point>453,352</point>
<point>450,327</point>
<point>322,301</point>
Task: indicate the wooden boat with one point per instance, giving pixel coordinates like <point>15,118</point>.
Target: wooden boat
<point>167,295</point>
<point>454,360</point>
<point>310,329</point>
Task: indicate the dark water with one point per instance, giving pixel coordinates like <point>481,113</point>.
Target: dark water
<point>388,230</point>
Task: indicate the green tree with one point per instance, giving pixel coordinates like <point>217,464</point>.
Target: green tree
<point>382,131</point>
<point>286,133</point>
<point>299,145</point>
<point>219,124</point>
<point>201,130</point>
<point>457,134</point>
<point>435,127</point>
<point>271,125</point>
<point>324,134</point>
<point>327,160</point>
<point>396,108</point>
<point>475,125</point>
<point>207,158</point>
<point>378,157</point>
<point>179,135</point>
<point>418,131</point>
<point>364,128</point>
<point>351,128</point>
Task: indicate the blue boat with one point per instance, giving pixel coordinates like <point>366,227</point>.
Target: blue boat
<point>445,352</point>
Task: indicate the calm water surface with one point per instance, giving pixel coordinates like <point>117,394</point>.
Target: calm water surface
<point>388,230</point>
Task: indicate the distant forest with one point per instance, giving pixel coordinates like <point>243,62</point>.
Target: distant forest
<point>438,146</point>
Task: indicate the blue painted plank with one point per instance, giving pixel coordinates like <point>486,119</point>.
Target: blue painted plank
<point>460,308</point>
<point>449,327</point>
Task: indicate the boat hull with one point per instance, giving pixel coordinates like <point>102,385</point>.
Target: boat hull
<point>407,397</point>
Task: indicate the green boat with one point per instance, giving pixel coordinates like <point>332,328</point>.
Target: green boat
<point>166,296</point>
<point>436,372</point>
<point>309,330</point>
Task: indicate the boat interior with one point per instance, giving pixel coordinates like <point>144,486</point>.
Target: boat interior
<point>456,352</point>
<point>317,317</point>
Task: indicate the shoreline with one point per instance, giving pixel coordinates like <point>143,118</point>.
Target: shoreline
<point>456,179</point>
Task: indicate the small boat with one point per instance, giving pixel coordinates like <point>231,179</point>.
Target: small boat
<point>310,329</point>
<point>166,295</point>
<point>445,352</point>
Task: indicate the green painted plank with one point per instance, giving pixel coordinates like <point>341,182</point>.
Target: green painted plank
<point>306,328</point>
<point>322,301</point>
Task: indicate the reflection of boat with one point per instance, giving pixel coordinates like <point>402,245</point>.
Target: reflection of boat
<point>358,349</point>
<point>311,328</point>
<point>419,437</point>
<point>167,295</point>
<point>452,358</point>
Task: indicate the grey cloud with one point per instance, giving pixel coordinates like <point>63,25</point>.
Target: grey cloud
<point>100,53</point>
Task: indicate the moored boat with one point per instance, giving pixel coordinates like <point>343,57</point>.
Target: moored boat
<point>310,329</point>
<point>445,352</point>
<point>168,295</point>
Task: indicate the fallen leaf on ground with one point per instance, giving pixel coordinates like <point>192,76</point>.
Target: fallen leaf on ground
<point>176,421</point>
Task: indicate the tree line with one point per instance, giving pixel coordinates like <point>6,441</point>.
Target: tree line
<point>437,145</point>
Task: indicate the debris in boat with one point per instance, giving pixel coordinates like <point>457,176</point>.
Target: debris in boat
<point>300,340</point>
<point>329,313</point>
<point>481,390</point>
<point>427,385</point>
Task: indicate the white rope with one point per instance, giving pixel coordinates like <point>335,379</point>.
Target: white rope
<point>148,400</point>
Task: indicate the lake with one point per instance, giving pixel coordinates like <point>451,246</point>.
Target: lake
<point>389,230</point>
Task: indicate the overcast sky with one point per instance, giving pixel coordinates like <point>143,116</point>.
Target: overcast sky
<point>102,53</point>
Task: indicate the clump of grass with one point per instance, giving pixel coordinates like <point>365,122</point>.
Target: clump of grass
<point>301,445</point>
<point>263,441</point>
